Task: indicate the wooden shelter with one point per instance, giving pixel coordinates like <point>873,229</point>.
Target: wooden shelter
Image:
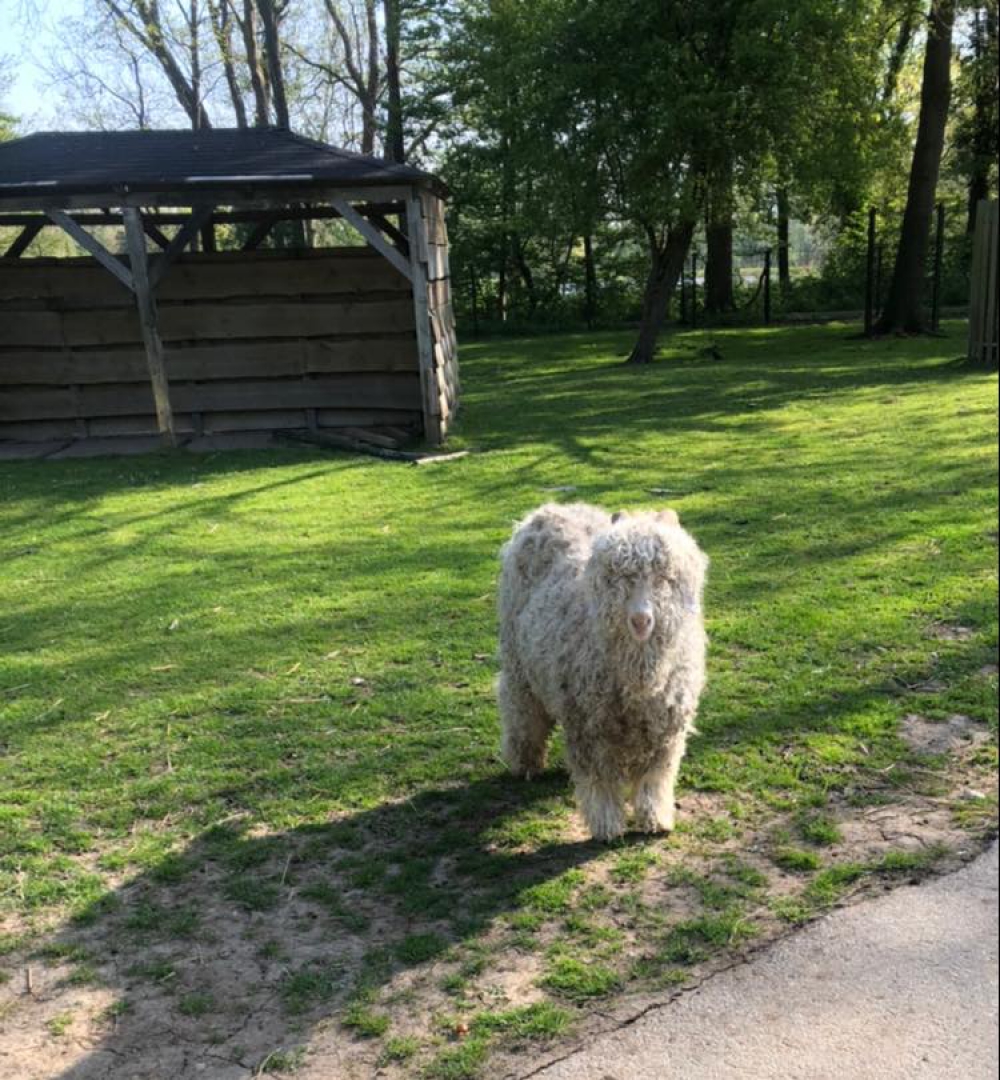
<point>155,338</point>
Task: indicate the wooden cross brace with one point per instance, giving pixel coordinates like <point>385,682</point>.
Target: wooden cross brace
<point>141,277</point>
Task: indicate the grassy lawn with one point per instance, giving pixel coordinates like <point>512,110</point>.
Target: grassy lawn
<point>248,759</point>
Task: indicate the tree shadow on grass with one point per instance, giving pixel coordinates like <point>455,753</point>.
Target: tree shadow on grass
<point>242,944</point>
<point>245,943</point>
<point>762,371</point>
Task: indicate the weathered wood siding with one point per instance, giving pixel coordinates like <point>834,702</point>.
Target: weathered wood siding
<point>253,341</point>
<point>442,316</point>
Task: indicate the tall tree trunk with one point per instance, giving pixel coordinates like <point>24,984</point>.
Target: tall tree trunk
<point>524,270</point>
<point>719,247</point>
<point>258,77</point>
<point>719,267</point>
<point>272,48</point>
<point>195,46</point>
<point>589,280</point>
<point>369,101</point>
<point>903,306</point>
<point>502,285</point>
<point>666,259</point>
<point>395,147</point>
<point>219,15</point>
<point>984,42</point>
<point>364,74</point>
<point>784,263</point>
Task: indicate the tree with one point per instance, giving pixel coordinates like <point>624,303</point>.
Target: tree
<point>903,309</point>
<point>394,144</point>
<point>6,120</point>
<point>221,17</point>
<point>143,21</point>
<point>270,15</point>
<point>977,94</point>
<point>736,86</point>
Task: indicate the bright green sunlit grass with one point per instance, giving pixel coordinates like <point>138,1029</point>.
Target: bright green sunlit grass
<point>274,663</point>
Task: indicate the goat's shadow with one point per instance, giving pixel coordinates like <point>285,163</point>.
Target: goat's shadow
<point>238,946</point>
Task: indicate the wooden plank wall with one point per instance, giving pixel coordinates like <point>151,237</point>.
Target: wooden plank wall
<point>442,315</point>
<point>254,341</point>
<point>984,310</point>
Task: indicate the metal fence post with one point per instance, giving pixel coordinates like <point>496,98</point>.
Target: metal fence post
<point>870,275</point>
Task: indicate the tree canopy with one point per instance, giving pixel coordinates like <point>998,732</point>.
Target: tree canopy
<point>591,146</point>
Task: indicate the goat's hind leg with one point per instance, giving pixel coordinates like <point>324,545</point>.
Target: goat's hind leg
<point>526,726</point>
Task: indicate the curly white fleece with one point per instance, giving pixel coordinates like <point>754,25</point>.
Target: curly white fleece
<point>568,655</point>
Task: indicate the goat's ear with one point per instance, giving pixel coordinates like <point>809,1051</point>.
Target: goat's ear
<point>669,517</point>
<point>617,516</point>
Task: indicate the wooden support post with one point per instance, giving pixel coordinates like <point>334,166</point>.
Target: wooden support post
<point>767,287</point>
<point>870,276</point>
<point>421,312</point>
<point>938,256</point>
<point>136,238</point>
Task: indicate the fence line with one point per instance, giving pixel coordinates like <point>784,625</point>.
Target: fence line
<point>984,325</point>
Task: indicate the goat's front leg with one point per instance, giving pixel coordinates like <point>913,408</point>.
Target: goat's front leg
<point>654,802</point>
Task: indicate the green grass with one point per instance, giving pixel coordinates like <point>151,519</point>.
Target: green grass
<point>366,1022</point>
<point>693,940</point>
<point>576,979</point>
<point>196,1005</point>
<point>302,990</point>
<point>58,1025</point>
<point>819,830</point>
<point>261,683</point>
<point>399,1048</point>
<point>796,860</point>
<point>538,1021</point>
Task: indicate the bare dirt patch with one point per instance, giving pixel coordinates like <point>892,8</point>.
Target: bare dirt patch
<point>957,732</point>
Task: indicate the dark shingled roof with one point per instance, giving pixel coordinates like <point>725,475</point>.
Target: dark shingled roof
<point>93,162</point>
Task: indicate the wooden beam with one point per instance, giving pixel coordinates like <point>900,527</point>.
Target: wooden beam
<point>28,233</point>
<point>95,247</point>
<point>136,238</point>
<point>185,235</point>
<point>374,237</point>
<point>154,218</point>
<point>421,312</point>
<point>378,218</point>
<point>254,240</point>
<point>262,196</point>
<point>153,233</point>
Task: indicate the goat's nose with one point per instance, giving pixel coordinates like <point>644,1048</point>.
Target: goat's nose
<point>641,622</point>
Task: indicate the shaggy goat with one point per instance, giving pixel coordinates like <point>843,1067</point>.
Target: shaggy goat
<point>601,631</point>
